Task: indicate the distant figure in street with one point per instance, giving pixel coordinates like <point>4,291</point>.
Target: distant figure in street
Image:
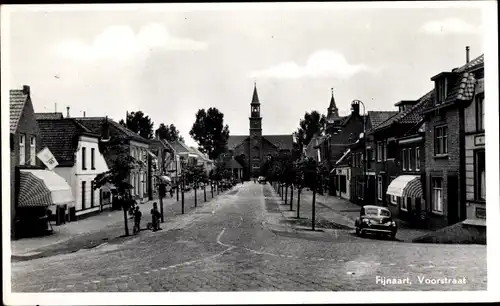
<point>171,191</point>
<point>137,220</point>
<point>155,214</point>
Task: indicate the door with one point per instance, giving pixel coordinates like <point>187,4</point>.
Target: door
<point>453,202</point>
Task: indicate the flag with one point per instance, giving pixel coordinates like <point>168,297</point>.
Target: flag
<point>47,158</point>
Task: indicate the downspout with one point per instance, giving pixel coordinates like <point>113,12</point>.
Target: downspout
<point>461,136</point>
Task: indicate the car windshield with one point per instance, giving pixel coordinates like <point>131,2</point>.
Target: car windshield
<point>371,211</point>
<point>385,213</point>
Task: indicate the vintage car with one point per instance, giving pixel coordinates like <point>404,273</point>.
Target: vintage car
<point>376,220</point>
<point>261,179</point>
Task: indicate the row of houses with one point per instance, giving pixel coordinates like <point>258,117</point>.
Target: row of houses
<point>425,160</point>
<point>72,144</point>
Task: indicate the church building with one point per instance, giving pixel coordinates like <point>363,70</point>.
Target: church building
<point>251,151</point>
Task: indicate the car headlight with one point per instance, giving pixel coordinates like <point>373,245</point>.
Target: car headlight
<point>393,223</point>
<point>365,220</point>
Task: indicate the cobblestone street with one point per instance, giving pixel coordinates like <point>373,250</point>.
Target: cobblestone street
<point>237,243</point>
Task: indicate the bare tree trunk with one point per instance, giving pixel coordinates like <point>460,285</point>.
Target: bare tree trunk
<point>205,192</point>
<point>195,198</point>
<point>291,197</point>
<point>298,203</point>
<point>286,193</point>
<point>161,208</point>
<point>314,208</point>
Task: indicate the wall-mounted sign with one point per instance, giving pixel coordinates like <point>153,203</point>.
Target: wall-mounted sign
<point>47,158</point>
<point>479,140</point>
<point>480,86</point>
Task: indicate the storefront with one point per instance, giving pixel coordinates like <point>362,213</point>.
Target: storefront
<point>405,198</point>
<point>41,195</point>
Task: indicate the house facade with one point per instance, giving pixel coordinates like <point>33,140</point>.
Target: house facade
<point>76,149</point>
<point>134,144</point>
<point>32,187</point>
<point>445,136</point>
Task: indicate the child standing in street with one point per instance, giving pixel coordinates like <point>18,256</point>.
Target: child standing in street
<point>137,220</point>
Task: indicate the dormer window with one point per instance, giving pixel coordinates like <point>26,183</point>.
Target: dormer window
<point>441,90</point>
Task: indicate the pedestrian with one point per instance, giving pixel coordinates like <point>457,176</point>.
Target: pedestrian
<point>137,220</point>
<point>155,214</point>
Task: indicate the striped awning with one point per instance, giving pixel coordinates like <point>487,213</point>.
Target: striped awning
<point>40,188</point>
<point>408,186</point>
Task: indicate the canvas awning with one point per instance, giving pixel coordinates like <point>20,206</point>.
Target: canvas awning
<point>41,188</point>
<point>408,186</point>
<point>166,179</point>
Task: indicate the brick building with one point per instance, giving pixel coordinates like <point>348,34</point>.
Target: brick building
<point>252,150</point>
<point>33,188</point>
<point>445,141</point>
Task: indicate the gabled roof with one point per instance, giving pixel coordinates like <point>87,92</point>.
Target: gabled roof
<point>375,118</point>
<point>17,100</point>
<point>203,156</point>
<point>235,140</point>
<point>180,147</point>
<point>48,116</point>
<point>409,116</point>
<point>282,142</point>
<point>472,65</point>
<point>232,164</point>
<point>60,136</point>
<point>95,124</point>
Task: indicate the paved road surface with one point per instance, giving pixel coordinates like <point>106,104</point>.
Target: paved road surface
<point>228,245</point>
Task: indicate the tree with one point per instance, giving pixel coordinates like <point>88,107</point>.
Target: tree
<point>209,132</point>
<point>140,124</point>
<point>121,166</point>
<point>312,124</point>
<point>169,133</point>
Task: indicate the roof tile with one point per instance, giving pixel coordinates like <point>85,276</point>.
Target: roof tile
<point>48,116</point>
<point>17,100</point>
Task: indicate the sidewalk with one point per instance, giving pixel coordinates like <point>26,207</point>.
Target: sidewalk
<point>102,227</point>
<point>335,212</point>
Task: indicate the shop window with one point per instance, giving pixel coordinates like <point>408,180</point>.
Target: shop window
<point>441,140</point>
<point>404,203</point>
<point>92,194</point>
<point>437,194</point>
<point>84,187</point>
<point>379,187</point>
<point>480,175</point>
<point>22,149</point>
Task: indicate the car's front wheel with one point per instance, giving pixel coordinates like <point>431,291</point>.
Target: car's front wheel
<point>358,232</point>
<point>393,235</point>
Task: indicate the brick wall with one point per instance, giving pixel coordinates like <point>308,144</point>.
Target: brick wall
<point>442,166</point>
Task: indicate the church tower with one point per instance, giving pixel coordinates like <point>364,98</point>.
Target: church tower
<point>255,134</point>
<point>333,111</point>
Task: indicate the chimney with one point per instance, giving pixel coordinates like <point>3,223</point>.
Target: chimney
<point>26,90</point>
<point>83,114</point>
<point>355,107</point>
<point>467,58</point>
<point>105,131</point>
<point>67,111</point>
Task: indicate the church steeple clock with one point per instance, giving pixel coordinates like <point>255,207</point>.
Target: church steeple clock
<point>255,134</point>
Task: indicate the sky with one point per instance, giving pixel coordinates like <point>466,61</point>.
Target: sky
<point>170,63</point>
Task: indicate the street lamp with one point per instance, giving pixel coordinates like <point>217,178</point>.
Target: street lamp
<point>365,155</point>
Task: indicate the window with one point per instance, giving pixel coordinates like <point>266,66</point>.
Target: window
<point>441,91</point>
<point>342,183</point>
<point>437,194</point>
<point>440,140</point>
<point>384,151</point>
<point>84,186</point>
<point>394,200</point>
<point>411,159</point>
<point>380,151</point>
<point>84,161</point>
<point>480,112</point>
<point>372,154</point>
<point>22,149</point>
<point>404,203</point>
<point>403,159</point>
<point>361,160</point>
<point>480,175</point>
<point>361,190</point>
<point>417,159</point>
<point>379,187</point>
<point>92,193</point>
<point>92,158</point>
<point>32,150</point>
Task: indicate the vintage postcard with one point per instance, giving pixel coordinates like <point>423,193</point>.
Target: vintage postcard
<point>249,153</point>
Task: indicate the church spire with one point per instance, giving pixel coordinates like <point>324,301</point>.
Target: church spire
<point>333,111</point>
<point>255,98</point>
